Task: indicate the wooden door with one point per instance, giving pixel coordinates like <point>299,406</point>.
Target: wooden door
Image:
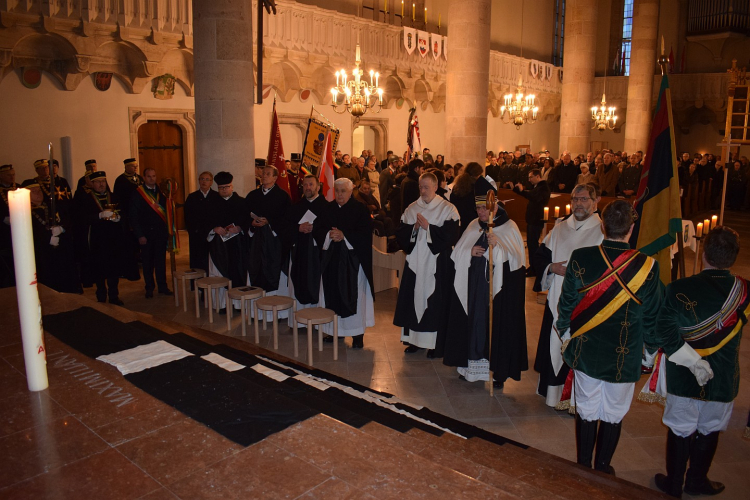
<point>160,148</point>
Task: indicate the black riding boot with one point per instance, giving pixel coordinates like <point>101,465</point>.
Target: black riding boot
<point>678,452</point>
<point>701,456</point>
<point>585,440</point>
<point>606,443</point>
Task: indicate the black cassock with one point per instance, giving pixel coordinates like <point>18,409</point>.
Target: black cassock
<point>305,255</point>
<point>229,257</point>
<point>340,266</point>
<point>55,265</point>
<point>543,362</point>
<point>106,240</point>
<point>268,253</point>
<point>469,333</point>
<point>123,193</point>
<point>199,224</point>
<point>435,316</point>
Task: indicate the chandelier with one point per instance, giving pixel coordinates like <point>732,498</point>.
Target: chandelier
<point>519,108</point>
<point>355,95</point>
<point>604,117</point>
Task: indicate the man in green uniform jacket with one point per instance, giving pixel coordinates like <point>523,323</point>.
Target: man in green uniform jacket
<point>608,308</point>
<point>699,328</point>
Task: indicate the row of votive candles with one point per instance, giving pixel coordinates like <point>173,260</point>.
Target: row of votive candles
<point>706,224</point>
<point>557,212</point>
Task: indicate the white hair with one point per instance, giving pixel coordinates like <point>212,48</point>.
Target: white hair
<point>344,182</point>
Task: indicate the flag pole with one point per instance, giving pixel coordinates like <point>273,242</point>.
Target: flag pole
<point>663,61</point>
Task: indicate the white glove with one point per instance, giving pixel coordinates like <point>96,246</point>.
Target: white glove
<point>116,218</point>
<point>687,357</point>
<point>54,241</point>
<point>57,230</point>
<point>7,220</point>
<point>106,214</point>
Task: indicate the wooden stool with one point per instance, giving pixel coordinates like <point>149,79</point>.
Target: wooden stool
<point>274,303</point>
<point>184,276</point>
<point>316,316</point>
<point>246,295</point>
<point>209,284</point>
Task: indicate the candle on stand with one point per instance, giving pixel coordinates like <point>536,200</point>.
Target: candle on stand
<point>413,12</point>
<point>402,9</point>
<point>440,17</point>
<point>385,7</point>
<point>557,212</point>
<point>699,231</point>
<point>29,309</point>
<point>425,16</point>
<point>567,209</point>
<point>714,221</point>
<point>706,225</point>
<point>546,213</point>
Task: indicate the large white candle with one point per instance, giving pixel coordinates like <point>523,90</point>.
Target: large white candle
<point>29,308</point>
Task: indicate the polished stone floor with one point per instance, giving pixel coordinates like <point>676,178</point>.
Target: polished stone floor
<point>516,412</point>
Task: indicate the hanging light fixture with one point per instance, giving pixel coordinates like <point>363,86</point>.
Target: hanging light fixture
<point>604,117</point>
<point>355,95</point>
<point>519,108</point>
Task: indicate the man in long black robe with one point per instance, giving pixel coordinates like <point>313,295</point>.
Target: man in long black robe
<point>305,253</point>
<point>198,220</point>
<point>227,244</point>
<point>345,236</point>
<point>267,208</point>
<point>105,237</point>
<point>427,233</point>
<point>53,245</point>
<point>467,345</point>
<point>7,267</point>
<point>125,184</point>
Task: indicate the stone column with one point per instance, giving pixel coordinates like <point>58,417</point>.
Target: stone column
<point>223,53</point>
<point>467,81</point>
<point>641,79</point>
<point>579,60</point>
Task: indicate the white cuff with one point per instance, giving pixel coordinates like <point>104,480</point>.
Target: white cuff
<point>685,356</point>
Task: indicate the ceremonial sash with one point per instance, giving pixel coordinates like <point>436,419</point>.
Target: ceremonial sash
<point>171,221</point>
<point>630,271</point>
<point>98,202</point>
<point>710,335</point>
<point>153,202</point>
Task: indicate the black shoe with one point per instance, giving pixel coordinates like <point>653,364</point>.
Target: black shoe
<point>431,354</point>
<point>223,310</point>
<point>166,291</point>
<point>358,342</point>
<point>678,453</point>
<point>412,349</point>
<point>101,300</point>
<point>701,455</point>
<point>496,384</point>
<point>461,377</point>
<point>606,444</point>
<point>116,302</point>
<point>150,295</point>
<point>328,339</point>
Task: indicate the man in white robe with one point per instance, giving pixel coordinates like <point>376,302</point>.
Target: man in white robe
<point>582,228</point>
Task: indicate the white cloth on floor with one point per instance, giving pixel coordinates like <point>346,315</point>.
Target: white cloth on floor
<point>144,357</point>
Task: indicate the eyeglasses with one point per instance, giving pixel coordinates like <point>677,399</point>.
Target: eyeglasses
<point>582,199</point>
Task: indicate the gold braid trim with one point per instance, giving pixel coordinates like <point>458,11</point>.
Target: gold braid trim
<point>651,397</point>
<point>747,433</point>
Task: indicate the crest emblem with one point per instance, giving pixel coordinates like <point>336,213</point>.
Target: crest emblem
<point>422,43</point>
<point>410,36</point>
<point>318,144</point>
<point>436,45</point>
<point>103,81</point>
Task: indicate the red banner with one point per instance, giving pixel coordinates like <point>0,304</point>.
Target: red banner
<point>276,159</point>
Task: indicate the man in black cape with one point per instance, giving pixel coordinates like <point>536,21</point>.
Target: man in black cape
<point>305,253</point>
<point>345,236</point>
<point>125,184</point>
<point>53,245</point>
<point>227,244</point>
<point>198,220</point>
<point>105,237</point>
<point>467,346</point>
<point>267,210</point>
<point>7,267</point>
<point>427,233</point>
